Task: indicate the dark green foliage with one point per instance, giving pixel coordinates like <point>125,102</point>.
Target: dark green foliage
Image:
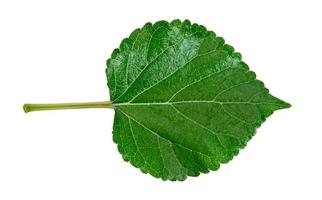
<point>184,100</point>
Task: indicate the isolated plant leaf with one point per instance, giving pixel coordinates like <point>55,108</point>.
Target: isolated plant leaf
<point>184,101</point>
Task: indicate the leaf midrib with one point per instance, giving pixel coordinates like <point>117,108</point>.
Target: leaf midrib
<point>197,101</point>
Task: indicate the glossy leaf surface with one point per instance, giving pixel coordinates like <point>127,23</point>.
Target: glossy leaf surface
<point>184,100</point>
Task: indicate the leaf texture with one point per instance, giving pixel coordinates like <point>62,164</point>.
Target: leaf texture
<point>184,100</point>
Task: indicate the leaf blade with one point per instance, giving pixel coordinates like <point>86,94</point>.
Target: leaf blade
<point>185,101</point>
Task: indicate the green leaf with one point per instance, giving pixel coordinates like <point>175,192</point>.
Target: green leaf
<point>184,101</point>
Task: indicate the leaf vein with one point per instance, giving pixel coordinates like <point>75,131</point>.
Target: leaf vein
<point>198,124</point>
<point>153,132</point>
<point>149,63</point>
<point>234,86</point>
<point>165,78</point>
<point>197,81</point>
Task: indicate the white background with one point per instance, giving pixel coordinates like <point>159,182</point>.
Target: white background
<point>55,51</point>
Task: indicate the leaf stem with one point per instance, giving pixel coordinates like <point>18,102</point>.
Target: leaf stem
<point>61,106</point>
